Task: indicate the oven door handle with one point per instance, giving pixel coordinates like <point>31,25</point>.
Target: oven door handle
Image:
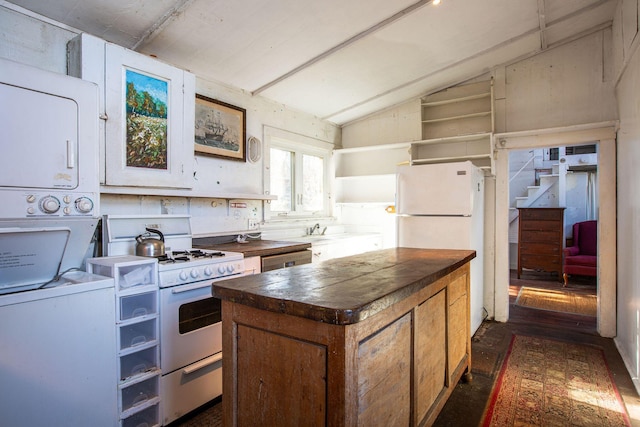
<point>202,364</point>
<point>187,288</point>
<point>200,285</point>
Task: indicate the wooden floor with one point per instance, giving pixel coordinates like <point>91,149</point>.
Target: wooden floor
<point>466,405</point>
<point>491,342</point>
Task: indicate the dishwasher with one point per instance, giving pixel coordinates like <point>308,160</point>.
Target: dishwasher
<point>291,259</point>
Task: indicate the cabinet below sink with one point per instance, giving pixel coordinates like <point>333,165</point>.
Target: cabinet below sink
<point>325,247</point>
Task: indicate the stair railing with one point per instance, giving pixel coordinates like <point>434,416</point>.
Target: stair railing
<point>531,159</point>
<point>533,156</point>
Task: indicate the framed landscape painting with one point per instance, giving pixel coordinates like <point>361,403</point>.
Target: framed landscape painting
<point>147,143</point>
<point>146,121</point>
<point>220,129</point>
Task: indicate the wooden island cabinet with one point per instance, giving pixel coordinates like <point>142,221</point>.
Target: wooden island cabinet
<point>375,339</point>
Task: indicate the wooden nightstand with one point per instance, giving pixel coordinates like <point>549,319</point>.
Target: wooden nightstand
<point>540,235</point>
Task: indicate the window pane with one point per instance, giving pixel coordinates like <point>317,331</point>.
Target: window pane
<point>281,179</point>
<point>313,183</point>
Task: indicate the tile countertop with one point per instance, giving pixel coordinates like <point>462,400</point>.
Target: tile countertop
<point>254,247</point>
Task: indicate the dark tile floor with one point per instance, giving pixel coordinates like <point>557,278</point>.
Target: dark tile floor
<point>208,415</point>
<point>466,405</point>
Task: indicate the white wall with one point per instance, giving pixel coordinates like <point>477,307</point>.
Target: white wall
<point>40,42</point>
<point>568,85</point>
<point>398,124</point>
<point>628,157</point>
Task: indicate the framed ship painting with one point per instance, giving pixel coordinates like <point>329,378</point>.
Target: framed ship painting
<point>220,129</point>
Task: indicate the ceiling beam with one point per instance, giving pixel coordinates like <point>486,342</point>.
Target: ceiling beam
<point>344,44</point>
<point>170,15</point>
<point>579,12</point>
<point>542,23</point>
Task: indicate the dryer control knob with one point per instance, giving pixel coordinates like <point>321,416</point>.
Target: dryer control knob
<point>49,204</point>
<point>84,205</point>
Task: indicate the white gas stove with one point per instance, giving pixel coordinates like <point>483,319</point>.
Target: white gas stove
<point>193,265</point>
<point>181,264</point>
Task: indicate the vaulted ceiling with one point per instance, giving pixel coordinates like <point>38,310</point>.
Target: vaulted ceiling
<point>336,59</point>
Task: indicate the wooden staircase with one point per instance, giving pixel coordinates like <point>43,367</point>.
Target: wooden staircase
<point>535,192</point>
<point>551,192</point>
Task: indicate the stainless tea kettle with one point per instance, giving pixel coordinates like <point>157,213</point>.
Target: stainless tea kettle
<point>150,246</point>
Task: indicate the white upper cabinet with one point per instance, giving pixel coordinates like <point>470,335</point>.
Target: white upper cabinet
<point>147,115</point>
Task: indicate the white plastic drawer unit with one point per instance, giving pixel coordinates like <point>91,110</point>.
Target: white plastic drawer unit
<point>127,270</point>
<point>134,336</point>
<point>138,305</point>
<point>136,275</point>
<point>139,363</point>
<point>149,417</point>
<point>138,394</point>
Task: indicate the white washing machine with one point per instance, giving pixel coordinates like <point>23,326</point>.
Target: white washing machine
<point>58,345</point>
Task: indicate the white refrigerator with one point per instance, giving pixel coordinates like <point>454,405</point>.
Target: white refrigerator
<point>441,206</point>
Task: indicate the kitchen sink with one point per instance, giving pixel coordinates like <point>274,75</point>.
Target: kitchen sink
<point>322,237</point>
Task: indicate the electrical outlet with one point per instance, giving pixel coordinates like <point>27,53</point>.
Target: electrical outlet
<point>253,224</point>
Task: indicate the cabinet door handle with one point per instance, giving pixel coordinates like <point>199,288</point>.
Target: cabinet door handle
<point>202,364</point>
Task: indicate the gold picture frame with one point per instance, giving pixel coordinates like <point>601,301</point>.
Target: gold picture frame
<point>220,129</point>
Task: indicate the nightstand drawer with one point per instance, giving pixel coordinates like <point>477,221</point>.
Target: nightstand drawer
<point>544,214</point>
<point>550,237</point>
<point>541,261</point>
<point>540,248</point>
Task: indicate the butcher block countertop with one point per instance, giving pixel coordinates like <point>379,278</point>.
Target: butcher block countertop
<point>344,291</point>
<point>256,247</point>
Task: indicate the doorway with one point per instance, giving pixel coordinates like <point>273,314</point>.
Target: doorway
<point>566,177</point>
<point>604,134</point>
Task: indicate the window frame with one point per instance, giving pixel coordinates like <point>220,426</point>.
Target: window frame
<point>299,145</point>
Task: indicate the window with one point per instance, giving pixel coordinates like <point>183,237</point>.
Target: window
<point>581,149</point>
<point>298,174</point>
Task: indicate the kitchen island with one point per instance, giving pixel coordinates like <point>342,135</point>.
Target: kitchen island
<point>379,338</point>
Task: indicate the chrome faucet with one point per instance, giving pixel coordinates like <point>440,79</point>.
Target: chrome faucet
<point>314,228</point>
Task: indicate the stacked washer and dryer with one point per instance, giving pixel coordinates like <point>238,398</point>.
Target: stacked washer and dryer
<point>57,336</point>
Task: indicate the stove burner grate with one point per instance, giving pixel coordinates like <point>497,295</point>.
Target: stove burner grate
<point>187,255</point>
<point>197,253</point>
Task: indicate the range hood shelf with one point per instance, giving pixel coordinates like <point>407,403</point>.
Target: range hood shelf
<point>145,191</point>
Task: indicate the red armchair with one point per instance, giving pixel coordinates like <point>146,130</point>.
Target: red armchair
<point>582,257</point>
